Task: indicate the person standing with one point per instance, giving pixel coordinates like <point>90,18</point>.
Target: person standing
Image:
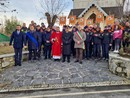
<point>56,39</point>
<point>47,45</point>
<point>39,41</point>
<point>88,41</point>
<point>79,38</point>
<point>97,41</point>
<point>106,42</point>
<point>66,39</point>
<point>18,39</point>
<point>32,38</point>
<point>117,36</point>
<point>24,28</point>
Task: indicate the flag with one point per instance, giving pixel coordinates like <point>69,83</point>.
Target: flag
<point>81,21</point>
<point>72,20</point>
<point>63,20</point>
<point>110,20</point>
<point>99,17</point>
<point>89,22</point>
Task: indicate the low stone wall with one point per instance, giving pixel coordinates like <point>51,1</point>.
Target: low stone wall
<point>7,60</point>
<point>119,65</point>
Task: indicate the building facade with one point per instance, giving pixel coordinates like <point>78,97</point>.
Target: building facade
<point>89,8</point>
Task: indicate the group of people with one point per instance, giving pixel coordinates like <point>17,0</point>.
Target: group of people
<point>88,42</point>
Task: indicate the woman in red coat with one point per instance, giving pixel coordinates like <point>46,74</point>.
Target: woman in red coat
<point>56,39</point>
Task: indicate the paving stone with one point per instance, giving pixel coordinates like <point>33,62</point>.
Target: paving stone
<point>55,81</point>
<point>52,76</point>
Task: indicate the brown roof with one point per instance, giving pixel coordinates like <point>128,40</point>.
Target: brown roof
<point>117,11</point>
<point>76,12</point>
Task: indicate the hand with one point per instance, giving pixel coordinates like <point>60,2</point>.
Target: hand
<point>92,43</point>
<point>110,44</point>
<point>11,46</point>
<point>47,41</point>
<point>25,47</point>
<point>78,42</point>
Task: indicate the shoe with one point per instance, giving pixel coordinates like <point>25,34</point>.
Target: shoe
<point>80,62</point>
<point>20,64</point>
<point>114,51</point>
<point>103,59</point>
<point>63,61</point>
<point>45,58</point>
<point>76,61</point>
<point>15,65</point>
<point>68,61</point>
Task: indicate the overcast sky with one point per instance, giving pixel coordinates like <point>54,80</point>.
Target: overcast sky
<point>30,10</point>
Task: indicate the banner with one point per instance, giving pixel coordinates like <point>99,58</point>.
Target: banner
<point>89,22</point>
<point>110,20</point>
<point>72,20</point>
<point>81,21</point>
<point>63,20</point>
<point>99,17</point>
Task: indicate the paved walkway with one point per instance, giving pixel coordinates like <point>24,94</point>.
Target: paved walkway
<point>50,72</point>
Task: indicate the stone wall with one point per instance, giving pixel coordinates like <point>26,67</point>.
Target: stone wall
<point>119,65</point>
<point>7,60</point>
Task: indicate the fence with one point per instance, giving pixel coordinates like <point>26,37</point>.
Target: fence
<point>4,38</point>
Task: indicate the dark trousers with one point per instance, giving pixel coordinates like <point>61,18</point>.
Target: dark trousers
<point>32,53</point>
<point>18,56</point>
<point>87,50</point>
<point>105,51</point>
<point>79,54</point>
<point>73,49</point>
<point>97,50</point>
<point>47,50</point>
<point>68,57</point>
<point>39,51</point>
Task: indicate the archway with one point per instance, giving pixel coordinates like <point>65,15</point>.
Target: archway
<point>93,16</point>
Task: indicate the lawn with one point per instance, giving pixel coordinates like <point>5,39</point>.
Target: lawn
<point>6,50</point>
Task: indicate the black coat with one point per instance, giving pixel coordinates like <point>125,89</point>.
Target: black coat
<point>89,36</point>
<point>97,38</point>
<point>47,37</point>
<point>66,39</point>
<point>18,40</point>
<point>106,38</point>
<point>32,45</point>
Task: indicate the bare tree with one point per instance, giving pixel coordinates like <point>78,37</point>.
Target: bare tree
<point>52,9</point>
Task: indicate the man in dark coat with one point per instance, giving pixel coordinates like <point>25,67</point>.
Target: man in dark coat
<point>106,42</point>
<point>66,39</point>
<point>96,41</point>
<point>47,45</point>
<point>88,41</point>
<point>39,41</point>
<point>19,39</point>
<point>32,38</point>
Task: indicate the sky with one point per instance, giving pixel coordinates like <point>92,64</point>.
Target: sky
<point>30,10</point>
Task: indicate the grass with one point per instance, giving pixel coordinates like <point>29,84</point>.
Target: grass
<point>6,50</point>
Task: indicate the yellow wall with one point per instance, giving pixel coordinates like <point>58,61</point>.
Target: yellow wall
<point>95,11</point>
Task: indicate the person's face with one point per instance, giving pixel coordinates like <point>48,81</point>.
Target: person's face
<point>24,24</point>
<point>38,28</point>
<point>48,29</point>
<point>32,28</point>
<point>127,24</point>
<point>18,28</point>
<point>67,29</point>
<point>32,22</point>
<point>79,28</point>
<point>57,29</point>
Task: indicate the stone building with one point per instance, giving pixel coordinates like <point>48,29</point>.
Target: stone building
<point>89,8</point>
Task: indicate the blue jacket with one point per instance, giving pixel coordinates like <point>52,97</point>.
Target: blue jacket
<point>31,44</point>
<point>17,39</point>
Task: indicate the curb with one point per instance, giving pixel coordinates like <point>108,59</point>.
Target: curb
<point>61,86</point>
